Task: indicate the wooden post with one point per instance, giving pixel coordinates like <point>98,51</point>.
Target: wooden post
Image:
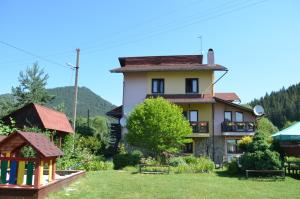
<point>37,174</point>
<point>53,168</point>
<point>60,140</point>
<point>50,171</point>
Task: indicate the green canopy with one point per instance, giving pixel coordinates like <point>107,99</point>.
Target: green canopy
<point>291,133</point>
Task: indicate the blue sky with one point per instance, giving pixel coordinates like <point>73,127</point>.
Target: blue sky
<point>257,40</point>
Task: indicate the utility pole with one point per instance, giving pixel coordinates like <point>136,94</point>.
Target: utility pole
<point>76,90</point>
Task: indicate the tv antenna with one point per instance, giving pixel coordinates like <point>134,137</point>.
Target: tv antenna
<point>200,37</point>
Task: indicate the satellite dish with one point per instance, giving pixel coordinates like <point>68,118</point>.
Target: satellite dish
<point>123,121</point>
<point>258,110</point>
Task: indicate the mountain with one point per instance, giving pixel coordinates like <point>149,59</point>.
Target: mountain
<point>281,106</point>
<point>87,100</point>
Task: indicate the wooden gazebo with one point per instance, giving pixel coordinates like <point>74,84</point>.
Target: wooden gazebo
<point>23,171</point>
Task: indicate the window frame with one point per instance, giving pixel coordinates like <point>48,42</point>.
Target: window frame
<point>242,113</point>
<point>158,87</point>
<point>186,85</point>
<point>230,116</point>
<point>189,115</point>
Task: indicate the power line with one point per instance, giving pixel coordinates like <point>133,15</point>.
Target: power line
<point>32,54</point>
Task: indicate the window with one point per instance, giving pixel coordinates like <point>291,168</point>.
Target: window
<point>158,85</point>
<point>232,146</point>
<point>191,85</point>
<point>227,116</point>
<point>193,116</point>
<point>188,148</point>
<point>239,117</point>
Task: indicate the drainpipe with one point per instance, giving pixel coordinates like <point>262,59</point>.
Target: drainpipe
<point>213,130</point>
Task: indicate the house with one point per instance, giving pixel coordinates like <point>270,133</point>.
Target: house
<point>35,115</point>
<point>217,119</point>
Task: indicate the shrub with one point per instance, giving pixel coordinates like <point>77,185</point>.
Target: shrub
<point>191,164</point>
<point>149,161</point>
<point>176,161</point>
<point>233,167</point>
<point>245,142</point>
<point>122,160</point>
<point>261,160</point>
<point>190,159</point>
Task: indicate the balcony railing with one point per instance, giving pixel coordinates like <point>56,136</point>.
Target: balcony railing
<point>200,127</point>
<point>238,127</point>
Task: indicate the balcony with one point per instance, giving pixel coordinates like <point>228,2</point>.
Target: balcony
<point>200,127</point>
<point>238,128</point>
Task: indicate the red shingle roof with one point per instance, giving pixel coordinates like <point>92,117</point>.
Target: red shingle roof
<point>35,115</point>
<point>37,141</point>
<point>2,137</point>
<point>228,96</point>
<point>53,119</point>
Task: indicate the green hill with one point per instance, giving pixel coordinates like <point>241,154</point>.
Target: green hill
<point>87,100</point>
<point>281,106</point>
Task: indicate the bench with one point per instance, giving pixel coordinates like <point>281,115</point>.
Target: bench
<point>280,172</point>
<point>293,166</point>
<point>157,169</point>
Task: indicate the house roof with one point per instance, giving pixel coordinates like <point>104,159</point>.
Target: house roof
<point>228,96</point>
<point>116,112</point>
<point>164,63</point>
<point>53,119</point>
<point>2,137</point>
<point>234,105</point>
<point>39,142</point>
<point>166,67</point>
<point>160,60</point>
<point>40,116</point>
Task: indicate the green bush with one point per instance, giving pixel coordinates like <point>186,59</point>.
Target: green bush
<point>261,160</point>
<point>122,160</point>
<point>233,167</point>
<point>176,161</point>
<point>191,164</point>
<point>149,161</point>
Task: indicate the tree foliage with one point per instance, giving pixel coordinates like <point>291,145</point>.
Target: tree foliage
<point>260,155</point>
<point>32,87</point>
<point>157,126</point>
<point>264,125</point>
<point>281,106</point>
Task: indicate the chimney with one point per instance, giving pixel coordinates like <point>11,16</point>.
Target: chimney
<point>210,57</point>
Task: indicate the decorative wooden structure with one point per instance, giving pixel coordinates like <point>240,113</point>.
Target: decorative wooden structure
<point>35,115</point>
<point>27,172</point>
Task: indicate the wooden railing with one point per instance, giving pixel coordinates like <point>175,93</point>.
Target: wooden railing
<point>200,127</point>
<point>238,127</point>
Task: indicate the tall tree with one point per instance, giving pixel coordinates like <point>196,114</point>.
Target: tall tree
<point>157,126</point>
<point>32,87</point>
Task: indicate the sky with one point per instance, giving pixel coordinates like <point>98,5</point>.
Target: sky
<point>257,40</point>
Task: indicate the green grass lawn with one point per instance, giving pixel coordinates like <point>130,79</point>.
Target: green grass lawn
<point>124,184</point>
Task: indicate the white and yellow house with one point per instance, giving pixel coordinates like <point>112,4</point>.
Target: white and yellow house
<point>218,122</point>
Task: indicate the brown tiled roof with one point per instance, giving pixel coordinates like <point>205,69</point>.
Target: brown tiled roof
<point>166,67</point>
<point>186,98</point>
<point>40,116</point>
<point>116,112</point>
<point>37,141</point>
<point>2,137</point>
<point>228,96</point>
<point>53,119</point>
<point>234,105</point>
<point>160,60</point>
